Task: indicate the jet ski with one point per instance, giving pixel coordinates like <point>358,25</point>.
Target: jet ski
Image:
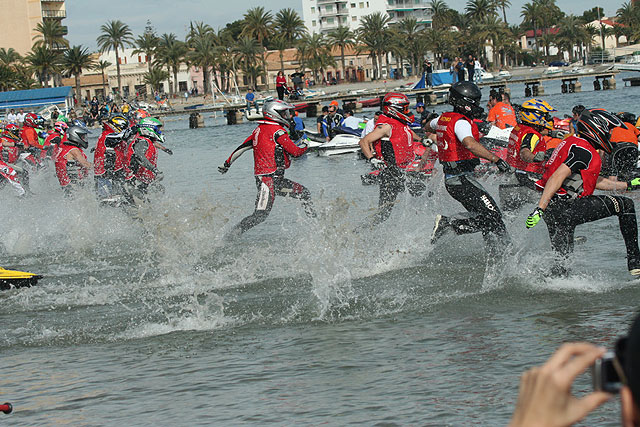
<point>10,279</point>
<point>343,143</point>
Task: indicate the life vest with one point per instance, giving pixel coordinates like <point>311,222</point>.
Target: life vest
<point>29,137</point>
<point>271,148</point>
<point>451,152</point>
<point>503,114</point>
<point>620,134</point>
<point>100,154</point>
<point>580,184</point>
<point>398,149</point>
<point>68,171</point>
<point>516,138</point>
<point>9,154</point>
<point>133,165</point>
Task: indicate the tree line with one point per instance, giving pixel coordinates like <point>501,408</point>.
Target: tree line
<point>243,45</point>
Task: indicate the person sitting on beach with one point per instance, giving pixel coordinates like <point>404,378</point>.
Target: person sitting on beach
<point>545,396</point>
<point>250,97</point>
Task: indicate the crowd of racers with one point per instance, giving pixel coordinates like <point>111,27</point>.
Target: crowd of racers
<point>125,157</point>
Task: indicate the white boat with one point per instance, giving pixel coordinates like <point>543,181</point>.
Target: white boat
<point>552,70</point>
<point>340,144</point>
<point>631,63</point>
<point>252,114</point>
<point>504,75</point>
<point>486,76</point>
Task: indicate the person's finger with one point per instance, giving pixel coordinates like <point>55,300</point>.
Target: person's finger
<point>588,403</point>
<point>564,353</point>
<point>580,362</point>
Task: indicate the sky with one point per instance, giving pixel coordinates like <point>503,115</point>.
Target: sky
<point>84,17</point>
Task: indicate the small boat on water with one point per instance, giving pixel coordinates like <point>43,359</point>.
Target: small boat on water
<point>504,75</point>
<point>342,143</point>
<point>11,279</point>
<point>552,70</point>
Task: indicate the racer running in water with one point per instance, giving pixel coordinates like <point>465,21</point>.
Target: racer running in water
<point>568,184</point>
<point>109,155</point>
<point>28,134</point>
<point>459,153</point>
<point>141,161</point>
<point>389,147</point>
<point>10,153</point>
<point>621,163</point>
<point>71,162</point>
<point>271,147</point>
<point>526,153</point>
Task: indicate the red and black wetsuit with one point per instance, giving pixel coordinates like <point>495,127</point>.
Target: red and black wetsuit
<point>398,153</point>
<point>521,137</point>
<point>141,161</point>
<point>458,164</point>
<point>271,147</point>
<point>575,204</point>
<point>9,154</point>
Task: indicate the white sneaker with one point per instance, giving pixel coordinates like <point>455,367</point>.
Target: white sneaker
<point>439,228</point>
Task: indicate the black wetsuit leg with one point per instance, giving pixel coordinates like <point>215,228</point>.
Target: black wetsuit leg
<point>563,215</point>
<point>286,188</point>
<point>486,217</point>
<point>392,183</point>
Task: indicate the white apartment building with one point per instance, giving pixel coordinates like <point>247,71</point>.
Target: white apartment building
<point>322,16</point>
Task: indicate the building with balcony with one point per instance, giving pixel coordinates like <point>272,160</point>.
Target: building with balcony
<point>322,16</point>
<point>19,19</point>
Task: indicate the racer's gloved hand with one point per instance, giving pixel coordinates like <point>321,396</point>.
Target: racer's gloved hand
<point>168,151</point>
<point>534,217</point>
<point>377,163</point>
<point>634,184</point>
<point>224,168</point>
<point>503,166</point>
<point>539,157</point>
<point>428,142</point>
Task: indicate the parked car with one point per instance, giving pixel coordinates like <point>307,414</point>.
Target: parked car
<point>558,64</point>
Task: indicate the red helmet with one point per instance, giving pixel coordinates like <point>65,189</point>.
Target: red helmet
<point>11,131</point>
<point>30,120</point>
<point>396,105</point>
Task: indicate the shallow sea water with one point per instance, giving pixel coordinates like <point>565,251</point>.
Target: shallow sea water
<point>159,321</point>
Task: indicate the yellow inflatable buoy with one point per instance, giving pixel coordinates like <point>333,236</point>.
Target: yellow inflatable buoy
<point>10,279</point>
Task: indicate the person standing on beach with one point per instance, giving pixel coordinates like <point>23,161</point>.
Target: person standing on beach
<point>460,68</point>
<point>429,73</point>
<point>470,65</point>
<point>281,85</point>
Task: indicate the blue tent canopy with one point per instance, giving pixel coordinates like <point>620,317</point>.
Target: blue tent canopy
<point>28,99</point>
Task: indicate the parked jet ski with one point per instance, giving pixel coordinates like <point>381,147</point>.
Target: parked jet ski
<point>347,141</point>
<point>10,279</point>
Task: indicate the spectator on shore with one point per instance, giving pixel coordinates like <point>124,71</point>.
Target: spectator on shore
<point>12,117</point>
<point>478,70</point>
<point>470,65</point>
<point>460,69</point>
<point>20,117</point>
<point>428,69</point>
<point>545,396</point>
<point>250,97</point>
<point>281,85</point>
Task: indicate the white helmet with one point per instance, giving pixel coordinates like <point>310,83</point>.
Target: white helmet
<point>278,111</point>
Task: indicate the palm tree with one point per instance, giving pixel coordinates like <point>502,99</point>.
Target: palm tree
<point>155,77</point>
<point>530,19</point>
<point>9,56</point>
<point>440,13</point>
<point>280,44</point>
<point>478,10</point>
<point>247,51</point>
<point>51,34</point>
<point>410,31</point>
<point>258,24</point>
<point>503,4</point>
<point>102,65</point>
<point>289,25</point>
<point>75,59</point>
<point>341,37</point>
<point>172,53</point>
<point>315,53</point>
<point>372,35</point>
<point>146,44</point>
<point>115,35</point>
<point>43,62</point>
<point>203,41</point>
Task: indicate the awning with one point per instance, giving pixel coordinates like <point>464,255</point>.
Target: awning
<point>28,99</point>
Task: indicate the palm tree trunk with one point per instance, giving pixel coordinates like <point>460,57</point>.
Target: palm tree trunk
<point>504,14</point>
<point>175,79</point>
<point>282,61</point>
<point>169,79</point>
<point>344,68</point>
<point>118,72</point>
<point>78,93</point>
<point>104,86</point>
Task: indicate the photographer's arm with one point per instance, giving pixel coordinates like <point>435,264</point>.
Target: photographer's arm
<point>545,397</point>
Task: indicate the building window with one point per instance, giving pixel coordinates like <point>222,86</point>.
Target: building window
<point>391,2</point>
<point>353,5</point>
<point>313,23</point>
<point>391,15</point>
<point>329,20</point>
<point>361,4</point>
<point>354,18</point>
<point>367,5</point>
<point>329,8</point>
<point>313,10</point>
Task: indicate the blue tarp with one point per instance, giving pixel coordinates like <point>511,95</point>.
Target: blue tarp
<point>36,97</point>
<point>438,78</point>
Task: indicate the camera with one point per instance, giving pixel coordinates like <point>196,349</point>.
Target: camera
<point>605,375</point>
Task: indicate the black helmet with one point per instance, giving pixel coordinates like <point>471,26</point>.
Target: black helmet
<point>627,117</point>
<point>77,136</point>
<point>595,125</point>
<point>465,98</point>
